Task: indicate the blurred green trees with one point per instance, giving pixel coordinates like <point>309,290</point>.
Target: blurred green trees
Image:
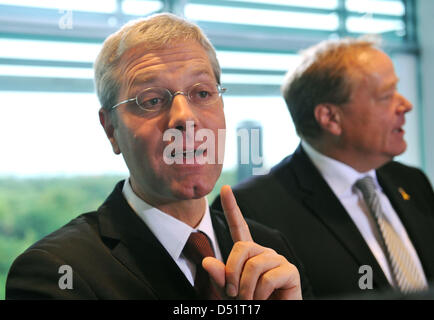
<point>33,208</point>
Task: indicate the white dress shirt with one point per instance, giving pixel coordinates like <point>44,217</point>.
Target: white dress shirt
<point>171,232</point>
<point>341,179</point>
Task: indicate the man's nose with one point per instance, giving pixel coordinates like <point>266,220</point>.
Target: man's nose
<point>404,104</point>
<point>180,112</point>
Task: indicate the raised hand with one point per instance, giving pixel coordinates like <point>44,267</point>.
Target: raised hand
<point>251,271</point>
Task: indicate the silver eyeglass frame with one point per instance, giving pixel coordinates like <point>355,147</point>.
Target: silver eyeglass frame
<point>220,91</point>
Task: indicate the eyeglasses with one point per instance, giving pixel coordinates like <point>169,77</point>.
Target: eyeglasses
<point>157,98</point>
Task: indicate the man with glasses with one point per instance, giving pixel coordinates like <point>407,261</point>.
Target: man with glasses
<point>155,236</point>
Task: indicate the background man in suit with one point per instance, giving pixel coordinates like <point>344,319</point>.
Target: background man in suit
<point>153,75</point>
<point>347,110</point>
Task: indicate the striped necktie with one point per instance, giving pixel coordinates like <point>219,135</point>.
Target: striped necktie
<point>405,274</point>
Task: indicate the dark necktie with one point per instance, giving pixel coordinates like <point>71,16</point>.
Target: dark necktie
<point>404,271</point>
<point>196,249</point>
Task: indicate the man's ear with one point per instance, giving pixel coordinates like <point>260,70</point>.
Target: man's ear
<point>107,123</point>
<point>328,116</point>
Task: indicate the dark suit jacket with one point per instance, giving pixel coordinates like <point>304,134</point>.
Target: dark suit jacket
<point>295,199</point>
<point>114,255</point>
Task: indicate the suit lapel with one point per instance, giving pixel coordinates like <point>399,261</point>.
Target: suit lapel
<point>222,233</point>
<point>419,228</point>
<point>323,203</point>
<point>140,251</point>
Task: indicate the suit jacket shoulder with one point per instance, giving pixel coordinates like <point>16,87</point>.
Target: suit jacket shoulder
<point>112,255</point>
<point>35,273</point>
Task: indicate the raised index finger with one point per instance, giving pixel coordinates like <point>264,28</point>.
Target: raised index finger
<point>237,225</point>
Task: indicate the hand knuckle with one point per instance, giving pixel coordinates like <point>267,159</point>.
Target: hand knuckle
<point>271,251</point>
<point>252,264</point>
<point>241,245</point>
<point>267,280</point>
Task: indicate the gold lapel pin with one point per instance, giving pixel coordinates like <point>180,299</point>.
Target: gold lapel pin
<point>404,194</point>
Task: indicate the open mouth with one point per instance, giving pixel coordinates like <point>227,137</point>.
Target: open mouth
<point>188,154</point>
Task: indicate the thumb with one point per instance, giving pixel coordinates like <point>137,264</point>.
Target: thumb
<point>216,271</point>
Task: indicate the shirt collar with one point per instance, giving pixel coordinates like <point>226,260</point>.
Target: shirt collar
<point>339,176</point>
<point>171,232</point>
